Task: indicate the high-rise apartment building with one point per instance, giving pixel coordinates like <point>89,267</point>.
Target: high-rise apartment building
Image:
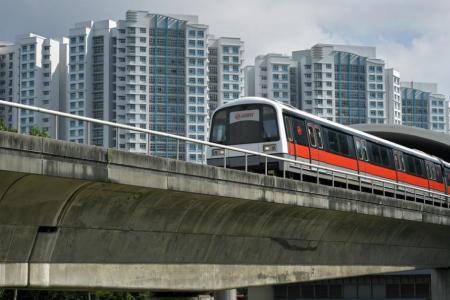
<point>423,107</point>
<point>89,82</point>
<point>393,97</point>
<point>276,78</point>
<point>148,71</point>
<point>226,82</point>
<point>31,73</point>
<point>7,82</point>
<point>160,82</point>
<point>342,83</point>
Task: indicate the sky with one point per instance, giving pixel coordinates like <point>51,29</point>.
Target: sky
<point>410,35</point>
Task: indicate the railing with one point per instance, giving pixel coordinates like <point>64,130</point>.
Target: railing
<point>337,176</point>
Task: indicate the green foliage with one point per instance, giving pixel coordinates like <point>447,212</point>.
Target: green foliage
<point>38,132</point>
<point>3,127</point>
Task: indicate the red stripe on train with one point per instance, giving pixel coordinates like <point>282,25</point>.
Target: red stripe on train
<point>414,180</point>
<point>437,186</point>
<point>377,170</point>
<point>337,160</point>
<point>300,150</point>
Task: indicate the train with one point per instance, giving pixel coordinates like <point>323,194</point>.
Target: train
<point>271,127</point>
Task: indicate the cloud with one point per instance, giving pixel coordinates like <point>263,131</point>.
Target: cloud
<point>411,35</point>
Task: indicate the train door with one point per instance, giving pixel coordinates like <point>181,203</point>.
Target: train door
<point>361,153</point>
<point>297,138</point>
<point>315,141</point>
<point>291,145</point>
<point>447,178</point>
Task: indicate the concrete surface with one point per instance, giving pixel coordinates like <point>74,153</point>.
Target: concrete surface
<point>435,143</point>
<point>75,216</point>
<point>260,293</point>
<point>440,284</point>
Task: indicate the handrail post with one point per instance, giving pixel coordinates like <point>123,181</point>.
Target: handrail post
<point>56,126</point>
<point>117,137</point>
<point>225,158</point>
<point>148,144</point>
<point>265,166</point>
<point>88,129</point>
<point>178,149</point>
<point>18,121</point>
<point>246,162</point>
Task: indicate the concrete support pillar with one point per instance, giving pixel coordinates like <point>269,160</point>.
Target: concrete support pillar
<point>260,293</point>
<point>225,295</point>
<point>440,284</point>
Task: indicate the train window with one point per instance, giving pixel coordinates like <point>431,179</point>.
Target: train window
<point>338,142</point>
<point>270,127</point>
<point>399,161</point>
<point>296,130</point>
<point>386,157</point>
<point>218,134</point>
<point>288,128</point>
<point>447,175</point>
<point>299,133</point>
<point>438,170</point>
<point>244,124</point>
<point>361,149</point>
<point>415,166</point>
<point>319,137</point>
<point>380,155</point>
<point>333,143</point>
<point>430,170</point>
<point>312,136</point>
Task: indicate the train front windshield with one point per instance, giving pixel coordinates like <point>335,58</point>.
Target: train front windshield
<point>244,124</point>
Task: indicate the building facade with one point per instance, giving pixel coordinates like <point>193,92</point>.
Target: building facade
<point>342,83</point>
<point>148,71</point>
<point>226,80</point>
<point>393,97</point>
<point>31,73</point>
<point>89,85</point>
<point>8,84</point>
<point>276,78</point>
<point>423,107</point>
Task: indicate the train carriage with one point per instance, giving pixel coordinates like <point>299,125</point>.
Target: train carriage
<point>270,127</point>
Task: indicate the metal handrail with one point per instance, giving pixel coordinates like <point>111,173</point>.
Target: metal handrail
<point>220,146</point>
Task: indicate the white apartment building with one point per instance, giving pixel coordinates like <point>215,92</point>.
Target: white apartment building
<point>197,91</point>
<point>226,70</point>
<point>149,71</point>
<point>89,82</point>
<point>8,85</point>
<point>160,82</point>
<point>423,107</point>
<point>393,97</point>
<point>342,83</point>
<point>31,73</point>
<point>275,78</point>
<point>249,81</point>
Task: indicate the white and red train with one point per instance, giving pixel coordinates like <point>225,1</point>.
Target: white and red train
<point>270,127</point>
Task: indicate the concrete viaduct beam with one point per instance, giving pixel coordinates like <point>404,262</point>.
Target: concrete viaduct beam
<point>73,216</point>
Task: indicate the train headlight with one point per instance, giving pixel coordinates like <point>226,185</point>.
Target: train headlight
<point>218,152</point>
<point>269,147</point>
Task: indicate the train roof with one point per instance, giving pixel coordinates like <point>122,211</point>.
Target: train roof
<point>347,129</point>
